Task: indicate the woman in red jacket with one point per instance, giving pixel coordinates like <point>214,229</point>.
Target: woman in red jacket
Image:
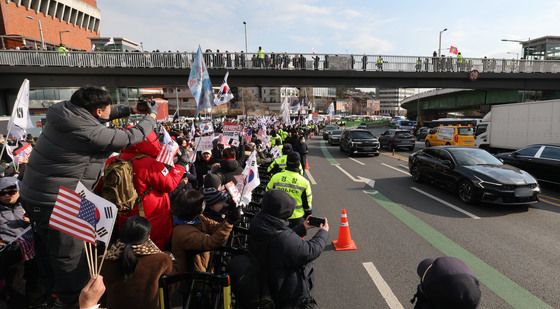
<point>160,180</point>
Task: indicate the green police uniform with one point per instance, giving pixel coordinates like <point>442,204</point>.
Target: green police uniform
<point>280,163</point>
<point>297,187</point>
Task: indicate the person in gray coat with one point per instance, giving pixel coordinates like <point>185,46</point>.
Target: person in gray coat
<point>73,147</point>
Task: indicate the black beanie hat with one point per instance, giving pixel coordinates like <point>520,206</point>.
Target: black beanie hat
<point>278,203</point>
<point>293,160</point>
<point>213,196</point>
<point>212,181</point>
<point>287,148</point>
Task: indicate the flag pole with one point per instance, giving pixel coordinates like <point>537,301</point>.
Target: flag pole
<point>88,259</point>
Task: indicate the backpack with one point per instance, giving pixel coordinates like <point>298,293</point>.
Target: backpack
<point>249,282</point>
<point>118,184</point>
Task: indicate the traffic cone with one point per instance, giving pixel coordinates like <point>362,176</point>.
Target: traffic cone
<point>344,241</point>
<point>307,164</point>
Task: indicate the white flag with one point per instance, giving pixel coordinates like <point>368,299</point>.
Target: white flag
<point>20,120</point>
<point>106,214</point>
<point>285,110</point>
<point>252,179</point>
<point>225,94</point>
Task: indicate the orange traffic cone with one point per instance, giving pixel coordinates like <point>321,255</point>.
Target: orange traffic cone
<point>344,241</point>
<point>307,164</point>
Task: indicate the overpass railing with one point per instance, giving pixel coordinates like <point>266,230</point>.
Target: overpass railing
<point>274,61</point>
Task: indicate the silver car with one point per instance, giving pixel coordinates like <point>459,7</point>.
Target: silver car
<point>334,137</point>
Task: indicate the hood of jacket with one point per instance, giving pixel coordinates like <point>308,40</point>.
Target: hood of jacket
<point>264,226</point>
<point>65,116</point>
<point>150,147</point>
<point>229,165</point>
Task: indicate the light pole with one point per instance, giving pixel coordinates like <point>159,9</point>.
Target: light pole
<point>40,31</point>
<point>439,46</point>
<point>60,34</point>
<point>245,25</point>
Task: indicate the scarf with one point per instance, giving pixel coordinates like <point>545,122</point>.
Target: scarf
<point>145,248</point>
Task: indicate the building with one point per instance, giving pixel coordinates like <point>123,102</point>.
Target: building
<point>543,48</point>
<point>45,24</point>
<point>272,97</point>
<point>114,44</point>
<point>391,98</point>
<point>319,98</point>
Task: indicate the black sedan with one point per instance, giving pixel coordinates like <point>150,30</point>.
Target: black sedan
<point>475,175</point>
<point>542,161</point>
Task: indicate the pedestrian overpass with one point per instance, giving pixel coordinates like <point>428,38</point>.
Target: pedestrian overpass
<point>144,69</point>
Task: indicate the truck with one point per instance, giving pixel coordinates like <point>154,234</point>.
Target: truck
<point>516,125</point>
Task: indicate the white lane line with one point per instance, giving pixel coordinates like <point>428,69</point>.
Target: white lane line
<point>382,286</point>
<point>445,203</point>
<point>313,182</point>
<point>359,162</point>
<point>404,166</point>
<point>396,169</point>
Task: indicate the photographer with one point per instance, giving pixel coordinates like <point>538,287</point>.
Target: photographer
<point>73,147</point>
<point>195,235</point>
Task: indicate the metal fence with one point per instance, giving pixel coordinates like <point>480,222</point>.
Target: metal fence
<point>274,61</point>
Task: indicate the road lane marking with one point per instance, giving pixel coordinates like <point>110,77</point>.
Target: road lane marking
<point>311,179</point>
<point>550,197</point>
<point>505,288</point>
<point>404,166</point>
<point>396,169</point>
<point>357,161</point>
<point>549,202</point>
<point>385,290</point>
<point>327,154</point>
<point>445,203</point>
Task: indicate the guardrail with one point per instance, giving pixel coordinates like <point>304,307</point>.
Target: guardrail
<point>274,61</point>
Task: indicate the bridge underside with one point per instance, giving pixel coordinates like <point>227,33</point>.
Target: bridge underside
<point>12,77</point>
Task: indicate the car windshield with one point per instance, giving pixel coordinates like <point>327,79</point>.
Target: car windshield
<point>336,132</point>
<point>330,127</point>
<point>469,157</point>
<point>466,131</point>
<point>361,134</point>
<point>406,123</point>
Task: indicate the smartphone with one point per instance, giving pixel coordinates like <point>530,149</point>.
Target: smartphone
<point>315,221</point>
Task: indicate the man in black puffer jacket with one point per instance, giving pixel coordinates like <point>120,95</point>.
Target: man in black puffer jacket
<point>73,147</point>
<point>289,258</point>
<point>229,166</point>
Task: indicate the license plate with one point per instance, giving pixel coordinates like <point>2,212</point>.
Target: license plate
<point>368,148</point>
<point>523,192</point>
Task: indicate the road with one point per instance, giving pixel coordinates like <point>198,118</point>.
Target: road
<point>513,250</point>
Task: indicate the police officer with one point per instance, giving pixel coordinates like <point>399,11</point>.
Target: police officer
<point>459,62</point>
<point>297,186</point>
<point>279,164</point>
<point>379,63</point>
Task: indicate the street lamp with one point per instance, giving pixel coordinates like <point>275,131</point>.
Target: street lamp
<point>60,34</point>
<point>245,25</point>
<point>40,31</point>
<point>439,46</point>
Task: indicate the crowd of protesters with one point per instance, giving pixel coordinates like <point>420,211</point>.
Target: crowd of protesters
<point>184,216</point>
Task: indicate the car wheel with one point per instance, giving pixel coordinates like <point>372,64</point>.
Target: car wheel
<point>428,144</point>
<point>466,192</point>
<point>415,172</point>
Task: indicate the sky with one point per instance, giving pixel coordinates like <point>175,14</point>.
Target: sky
<point>398,27</point>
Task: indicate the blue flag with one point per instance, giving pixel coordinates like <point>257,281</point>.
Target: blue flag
<point>200,84</point>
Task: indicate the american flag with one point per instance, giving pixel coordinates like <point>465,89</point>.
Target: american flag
<point>168,150</point>
<point>73,215</point>
<point>26,244</point>
<point>22,153</point>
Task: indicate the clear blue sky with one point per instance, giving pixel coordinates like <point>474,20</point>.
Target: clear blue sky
<point>398,27</point>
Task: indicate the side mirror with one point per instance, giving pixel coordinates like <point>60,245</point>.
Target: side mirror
<point>447,163</point>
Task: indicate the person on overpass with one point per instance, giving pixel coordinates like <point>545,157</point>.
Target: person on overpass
<point>459,62</point>
<point>418,65</point>
<point>260,57</point>
<point>379,63</point>
<point>62,51</point>
<point>279,164</point>
<point>296,186</point>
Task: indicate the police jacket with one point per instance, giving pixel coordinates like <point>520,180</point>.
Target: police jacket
<point>297,187</point>
<point>288,259</point>
<point>279,165</point>
<point>73,147</point>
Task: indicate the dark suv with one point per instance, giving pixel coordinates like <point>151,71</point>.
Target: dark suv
<point>359,141</point>
<point>393,139</point>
